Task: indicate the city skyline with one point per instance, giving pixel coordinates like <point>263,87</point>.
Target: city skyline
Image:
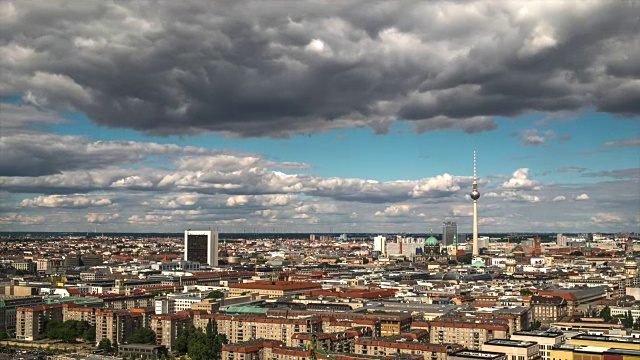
<point>354,117</point>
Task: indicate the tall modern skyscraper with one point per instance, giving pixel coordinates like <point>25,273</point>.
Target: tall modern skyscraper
<point>475,195</point>
<point>449,231</point>
<point>201,246</point>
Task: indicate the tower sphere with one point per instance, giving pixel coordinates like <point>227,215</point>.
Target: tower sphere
<point>475,195</point>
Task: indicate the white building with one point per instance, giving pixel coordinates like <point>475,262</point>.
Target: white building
<point>201,246</point>
<point>380,244</point>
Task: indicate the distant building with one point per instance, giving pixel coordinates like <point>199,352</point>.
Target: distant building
<point>449,230</point>
<point>379,244</point>
<point>201,246</point>
<point>273,289</point>
<point>548,308</point>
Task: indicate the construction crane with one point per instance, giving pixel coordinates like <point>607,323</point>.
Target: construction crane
<point>313,350</point>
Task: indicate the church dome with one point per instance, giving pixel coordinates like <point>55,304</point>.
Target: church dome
<point>431,241</point>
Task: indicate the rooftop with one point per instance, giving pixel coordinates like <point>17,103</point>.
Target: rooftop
<point>511,343</point>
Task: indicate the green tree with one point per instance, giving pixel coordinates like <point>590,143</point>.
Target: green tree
<point>365,261</point>
<point>636,325</point>
<point>466,259</point>
<point>143,335</point>
<point>3,335</point>
<point>628,320</point>
<point>605,313</point>
<point>576,253</point>
<point>215,294</point>
<point>105,344</point>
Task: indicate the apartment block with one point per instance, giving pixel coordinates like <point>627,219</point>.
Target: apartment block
<point>9,305</point>
<point>470,334</point>
<point>168,327</point>
<point>75,312</point>
<point>390,324</point>
<point>389,347</point>
<point>248,327</point>
<point>31,321</point>
<point>116,325</point>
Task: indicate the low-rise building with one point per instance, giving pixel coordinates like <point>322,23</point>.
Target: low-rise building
<point>273,289</point>
<point>514,349</point>
<point>545,339</point>
<point>548,308</point>
<point>476,355</point>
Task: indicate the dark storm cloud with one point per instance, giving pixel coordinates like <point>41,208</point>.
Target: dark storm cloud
<point>279,68</point>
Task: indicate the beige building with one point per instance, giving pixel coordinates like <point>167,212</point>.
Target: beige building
<point>382,347</point>
<point>248,327</point>
<point>514,349</point>
<point>273,289</point>
<point>31,321</point>
<point>469,334</point>
<point>168,327</point>
<point>476,355</point>
<point>116,325</point>
<point>548,309</point>
<point>546,340</point>
<point>74,312</point>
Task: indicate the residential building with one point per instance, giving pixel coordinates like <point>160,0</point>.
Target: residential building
<point>168,327</point>
<point>471,334</point>
<point>31,321</point>
<point>116,325</point>
<point>392,346</point>
<point>9,305</point>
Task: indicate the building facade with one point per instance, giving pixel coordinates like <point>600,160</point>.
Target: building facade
<point>201,246</point>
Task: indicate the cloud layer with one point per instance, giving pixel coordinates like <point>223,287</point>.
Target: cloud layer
<point>276,69</point>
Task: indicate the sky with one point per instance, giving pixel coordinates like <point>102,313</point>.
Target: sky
<point>350,116</point>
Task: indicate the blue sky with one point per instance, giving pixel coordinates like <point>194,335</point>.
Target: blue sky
<point>404,154</point>
<point>144,117</point>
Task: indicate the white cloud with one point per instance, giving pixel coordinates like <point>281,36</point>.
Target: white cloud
<point>395,210</point>
<point>607,218</point>
<point>101,218</point>
<point>582,197</point>
<point>66,201</point>
<point>520,181</point>
<point>439,184</point>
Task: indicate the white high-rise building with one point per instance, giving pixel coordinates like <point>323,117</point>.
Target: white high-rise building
<point>201,246</point>
<point>380,244</point>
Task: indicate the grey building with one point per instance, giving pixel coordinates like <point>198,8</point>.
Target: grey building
<point>449,229</point>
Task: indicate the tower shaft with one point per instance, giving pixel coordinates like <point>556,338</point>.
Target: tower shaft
<point>475,195</point>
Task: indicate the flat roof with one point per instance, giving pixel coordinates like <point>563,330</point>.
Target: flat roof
<point>539,333</point>
<point>478,354</point>
<point>606,338</point>
<point>511,343</point>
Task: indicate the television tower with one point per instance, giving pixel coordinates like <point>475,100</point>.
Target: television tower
<point>475,195</point>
